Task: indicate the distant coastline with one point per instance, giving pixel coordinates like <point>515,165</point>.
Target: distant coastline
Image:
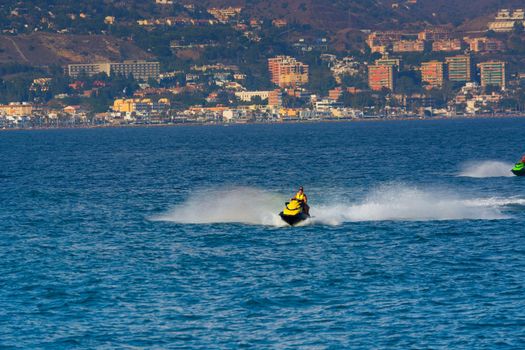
<point>298,121</point>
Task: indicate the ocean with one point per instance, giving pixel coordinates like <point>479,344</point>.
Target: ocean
<point>168,238</point>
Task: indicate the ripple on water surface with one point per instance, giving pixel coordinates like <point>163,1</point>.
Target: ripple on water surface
<point>168,237</point>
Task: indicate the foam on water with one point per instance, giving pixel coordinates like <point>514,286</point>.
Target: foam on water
<point>234,205</point>
<point>488,168</point>
<point>403,203</point>
<point>392,202</point>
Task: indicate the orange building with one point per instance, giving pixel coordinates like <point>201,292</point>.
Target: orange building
<point>286,71</point>
<point>17,109</point>
<point>433,73</point>
<point>353,90</point>
<point>446,45</point>
<point>485,45</point>
<point>335,93</point>
<point>381,41</point>
<point>385,60</point>
<point>434,34</point>
<point>381,76</point>
<point>275,98</point>
<point>409,46</point>
<point>279,22</point>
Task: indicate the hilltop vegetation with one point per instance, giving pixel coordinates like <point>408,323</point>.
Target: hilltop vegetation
<point>79,31</point>
<point>335,15</point>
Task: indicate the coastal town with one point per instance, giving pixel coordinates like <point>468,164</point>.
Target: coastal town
<point>436,71</point>
<point>262,174</point>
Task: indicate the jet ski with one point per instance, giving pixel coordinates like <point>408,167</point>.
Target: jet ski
<point>293,212</point>
<point>519,169</point>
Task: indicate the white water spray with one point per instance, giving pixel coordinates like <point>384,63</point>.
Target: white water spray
<point>402,203</point>
<point>393,202</point>
<point>489,168</point>
<point>235,205</point>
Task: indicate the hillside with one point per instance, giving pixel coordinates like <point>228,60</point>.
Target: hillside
<point>34,26</point>
<point>458,12</point>
<point>335,15</point>
<point>49,48</point>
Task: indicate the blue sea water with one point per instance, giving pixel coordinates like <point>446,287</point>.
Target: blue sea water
<point>166,238</point>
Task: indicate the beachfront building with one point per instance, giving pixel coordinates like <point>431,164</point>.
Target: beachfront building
<point>286,71</point>
<point>459,68</point>
<point>140,106</point>
<point>493,73</point>
<point>275,98</point>
<point>433,73</point>
<point>17,109</point>
<point>381,77</point>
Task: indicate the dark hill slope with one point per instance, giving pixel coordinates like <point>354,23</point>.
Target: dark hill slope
<point>334,15</point>
<point>49,49</point>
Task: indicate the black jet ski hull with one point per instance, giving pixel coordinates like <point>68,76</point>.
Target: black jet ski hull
<point>293,220</point>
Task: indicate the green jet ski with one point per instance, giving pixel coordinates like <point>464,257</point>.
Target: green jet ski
<point>519,169</point>
<point>294,212</point>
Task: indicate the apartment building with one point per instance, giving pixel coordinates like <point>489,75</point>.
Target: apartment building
<point>433,73</point>
<point>286,71</point>
<point>409,46</point>
<point>459,68</point>
<point>140,70</point>
<point>493,73</point>
<point>381,76</point>
<point>447,45</point>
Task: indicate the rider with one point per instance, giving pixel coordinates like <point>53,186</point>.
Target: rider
<point>301,197</point>
<point>522,159</point>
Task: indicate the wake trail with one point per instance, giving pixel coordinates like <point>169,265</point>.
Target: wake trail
<point>485,169</point>
<point>402,203</point>
<point>252,206</point>
<point>235,205</point>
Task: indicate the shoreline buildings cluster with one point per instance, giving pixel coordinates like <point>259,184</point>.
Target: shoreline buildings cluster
<point>460,68</point>
<point>403,74</point>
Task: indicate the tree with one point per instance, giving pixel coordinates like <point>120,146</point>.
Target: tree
<point>359,100</point>
<point>491,34</point>
<point>223,98</point>
<point>509,104</point>
<point>321,79</point>
<point>443,95</point>
<point>408,83</point>
<point>356,80</point>
<point>518,27</point>
<point>292,101</point>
